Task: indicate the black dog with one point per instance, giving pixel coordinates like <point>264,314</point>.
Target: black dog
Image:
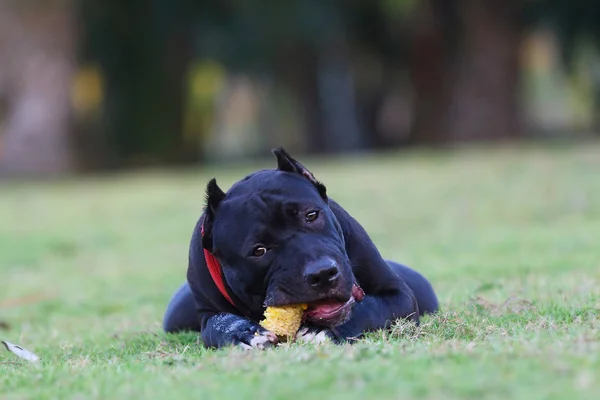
<point>276,238</point>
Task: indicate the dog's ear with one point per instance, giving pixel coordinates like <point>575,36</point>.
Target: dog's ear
<point>285,162</point>
<point>214,197</point>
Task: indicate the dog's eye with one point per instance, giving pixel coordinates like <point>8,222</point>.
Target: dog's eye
<point>311,216</point>
<point>259,251</point>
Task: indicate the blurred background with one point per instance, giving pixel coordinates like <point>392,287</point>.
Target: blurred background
<point>95,85</point>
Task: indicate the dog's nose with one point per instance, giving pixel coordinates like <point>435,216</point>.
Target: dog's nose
<point>322,274</point>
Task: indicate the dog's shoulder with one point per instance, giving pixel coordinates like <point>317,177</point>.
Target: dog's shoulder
<point>371,270</point>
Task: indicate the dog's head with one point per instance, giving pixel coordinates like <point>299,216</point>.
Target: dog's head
<point>279,243</point>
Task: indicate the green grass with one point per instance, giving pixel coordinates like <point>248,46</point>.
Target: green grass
<point>510,239</point>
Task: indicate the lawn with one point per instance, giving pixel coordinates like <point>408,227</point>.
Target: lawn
<point>510,239</point>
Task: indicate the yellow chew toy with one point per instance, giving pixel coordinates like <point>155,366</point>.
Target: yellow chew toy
<point>284,321</point>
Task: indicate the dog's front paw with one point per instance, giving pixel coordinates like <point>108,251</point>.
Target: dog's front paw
<point>232,330</point>
<point>316,335</point>
<point>255,336</point>
<point>260,340</point>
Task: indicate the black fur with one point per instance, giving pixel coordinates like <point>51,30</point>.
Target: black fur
<point>314,251</point>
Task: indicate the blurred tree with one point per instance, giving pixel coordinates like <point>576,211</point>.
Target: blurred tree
<point>465,62</point>
<point>575,23</point>
<point>37,49</point>
<point>303,44</point>
<point>341,60</point>
<point>318,51</point>
<point>465,70</point>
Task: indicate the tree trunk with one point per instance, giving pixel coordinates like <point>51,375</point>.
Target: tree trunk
<point>297,69</point>
<point>337,98</point>
<point>466,71</point>
<point>37,48</point>
<point>307,87</point>
<point>322,81</point>
<point>431,56</point>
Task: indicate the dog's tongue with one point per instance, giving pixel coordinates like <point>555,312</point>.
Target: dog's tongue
<point>324,308</point>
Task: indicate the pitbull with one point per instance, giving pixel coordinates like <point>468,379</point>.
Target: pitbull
<point>276,238</point>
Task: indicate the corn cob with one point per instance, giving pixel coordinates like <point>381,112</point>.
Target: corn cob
<point>284,321</point>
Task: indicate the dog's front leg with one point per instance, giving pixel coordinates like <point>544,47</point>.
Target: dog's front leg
<point>377,312</point>
<point>226,329</point>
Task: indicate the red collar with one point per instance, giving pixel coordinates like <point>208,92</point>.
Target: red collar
<point>216,273</point>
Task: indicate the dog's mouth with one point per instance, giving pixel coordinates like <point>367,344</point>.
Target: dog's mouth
<point>326,310</point>
<point>332,312</point>
<point>329,311</point>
